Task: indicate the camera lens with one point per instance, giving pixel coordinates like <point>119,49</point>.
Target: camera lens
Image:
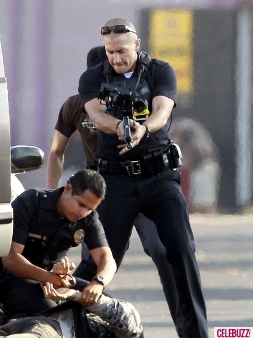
<point>139,105</point>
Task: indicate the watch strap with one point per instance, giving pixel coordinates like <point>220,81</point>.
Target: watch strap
<point>148,130</point>
<point>99,279</point>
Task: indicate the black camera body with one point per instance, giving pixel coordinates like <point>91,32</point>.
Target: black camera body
<point>120,102</point>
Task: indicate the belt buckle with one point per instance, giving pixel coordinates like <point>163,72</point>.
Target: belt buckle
<point>133,168</point>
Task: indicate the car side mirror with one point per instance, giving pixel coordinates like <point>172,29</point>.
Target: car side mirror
<point>26,158</point>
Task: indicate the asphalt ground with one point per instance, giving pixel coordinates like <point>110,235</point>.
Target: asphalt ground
<point>224,246</point>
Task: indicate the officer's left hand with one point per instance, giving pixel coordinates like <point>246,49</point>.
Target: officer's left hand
<point>91,293</point>
<point>59,293</point>
<point>138,131</point>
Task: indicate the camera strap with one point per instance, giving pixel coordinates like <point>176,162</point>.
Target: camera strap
<point>143,64</point>
<point>107,71</point>
<point>144,61</point>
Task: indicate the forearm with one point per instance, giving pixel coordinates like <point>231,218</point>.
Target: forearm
<point>106,268</point>
<point>19,266</point>
<point>54,169</point>
<point>102,120</point>
<point>106,123</point>
<point>156,121</point>
<point>161,111</point>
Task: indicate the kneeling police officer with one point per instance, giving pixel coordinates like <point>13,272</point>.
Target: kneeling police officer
<point>46,224</point>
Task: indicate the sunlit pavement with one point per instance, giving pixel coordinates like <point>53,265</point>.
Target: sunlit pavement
<point>224,249</point>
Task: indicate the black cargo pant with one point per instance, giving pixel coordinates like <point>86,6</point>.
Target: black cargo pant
<point>159,198</point>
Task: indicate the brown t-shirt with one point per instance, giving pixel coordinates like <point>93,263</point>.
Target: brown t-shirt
<point>70,119</point>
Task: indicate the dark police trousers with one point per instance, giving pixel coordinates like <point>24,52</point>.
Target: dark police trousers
<point>154,248</point>
<point>159,198</point>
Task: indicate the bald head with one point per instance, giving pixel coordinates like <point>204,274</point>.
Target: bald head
<point>119,26</point>
<point>120,21</point>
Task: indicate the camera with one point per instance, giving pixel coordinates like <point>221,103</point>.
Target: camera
<point>140,109</point>
<point>118,100</point>
<point>120,103</point>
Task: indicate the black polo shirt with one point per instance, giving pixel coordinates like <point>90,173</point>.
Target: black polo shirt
<point>163,83</point>
<point>47,235</point>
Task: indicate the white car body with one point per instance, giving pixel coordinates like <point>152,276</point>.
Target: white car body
<point>13,160</point>
<point>5,165</point>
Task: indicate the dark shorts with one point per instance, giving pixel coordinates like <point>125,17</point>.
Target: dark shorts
<point>42,327</point>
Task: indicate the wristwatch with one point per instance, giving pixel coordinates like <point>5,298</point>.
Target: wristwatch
<point>77,296</point>
<point>148,130</point>
<point>99,279</point>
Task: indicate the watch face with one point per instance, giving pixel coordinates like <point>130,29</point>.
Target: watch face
<point>99,279</point>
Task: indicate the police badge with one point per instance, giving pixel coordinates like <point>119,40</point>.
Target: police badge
<point>79,236</point>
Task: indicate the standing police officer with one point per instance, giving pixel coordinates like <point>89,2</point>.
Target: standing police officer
<point>140,171</point>
<point>72,117</point>
<point>46,224</point>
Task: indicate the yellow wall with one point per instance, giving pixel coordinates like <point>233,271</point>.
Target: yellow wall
<point>170,40</point>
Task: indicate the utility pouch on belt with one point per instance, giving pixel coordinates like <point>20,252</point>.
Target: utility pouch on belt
<point>154,163</point>
<point>157,160</point>
<point>175,155</point>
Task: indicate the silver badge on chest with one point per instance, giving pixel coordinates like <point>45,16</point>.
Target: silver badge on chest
<point>79,236</point>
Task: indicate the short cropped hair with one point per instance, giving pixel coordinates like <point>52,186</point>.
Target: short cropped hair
<point>88,179</point>
<point>120,21</point>
<point>95,56</point>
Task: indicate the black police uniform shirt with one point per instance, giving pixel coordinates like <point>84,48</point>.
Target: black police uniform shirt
<point>47,235</point>
<point>163,83</point>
